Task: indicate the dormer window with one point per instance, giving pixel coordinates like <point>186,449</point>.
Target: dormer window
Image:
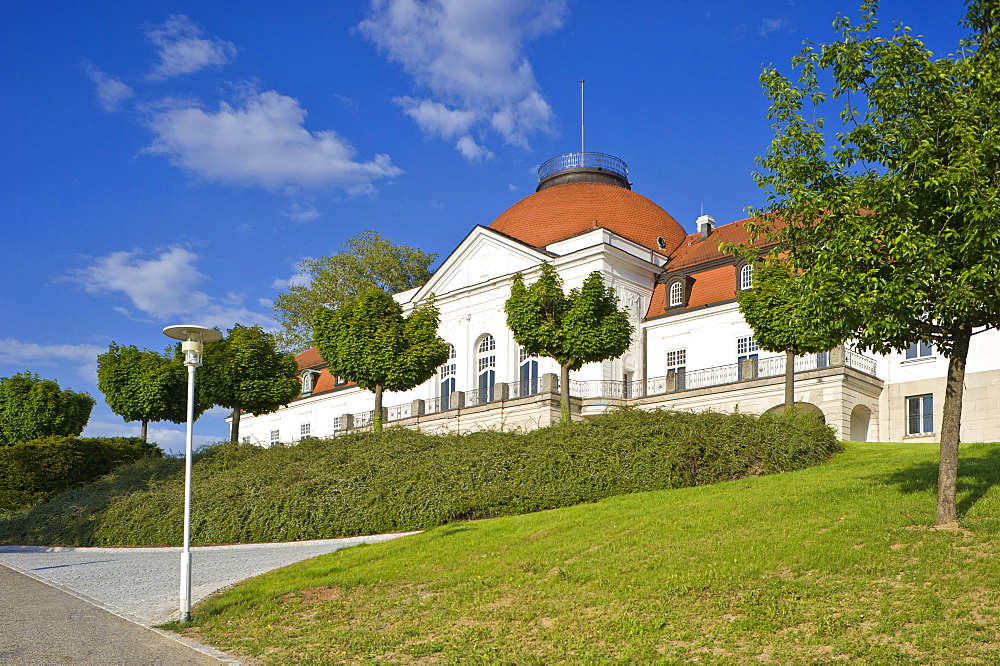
<point>308,381</point>
<point>746,277</point>
<point>676,294</point>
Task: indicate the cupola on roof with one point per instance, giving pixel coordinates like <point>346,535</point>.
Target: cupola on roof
<point>583,191</point>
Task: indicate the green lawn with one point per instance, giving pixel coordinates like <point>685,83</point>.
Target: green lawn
<point>834,564</point>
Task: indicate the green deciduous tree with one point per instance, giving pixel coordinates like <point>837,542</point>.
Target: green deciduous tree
<point>895,217</point>
<point>244,372</point>
<point>368,261</point>
<point>369,342</point>
<point>781,322</point>
<point>32,408</point>
<point>144,385</point>
<point>583,326</point>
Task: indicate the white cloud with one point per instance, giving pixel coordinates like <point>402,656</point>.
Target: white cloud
<point>261,142</point>
<point>183,48</point>
<point>111,92</point>
<point>299,212</point>
<point>469,57</point>
<point>297,279</point>
<point>165,287</point>
<point>769,26</point>
<point>435,118</point>
<point>17,352</point>
<point>471,150</point>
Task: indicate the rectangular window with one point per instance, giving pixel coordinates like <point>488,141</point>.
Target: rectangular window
<point>919,414</point>
<point>487,362</point>
<point>676,358</point>
<point>337,423</point>
<point>745,346</point>
<point>304,430</point>
<point>919,350</point>
<point>275,437</point>
<point>340,381</point>
<point>246,440</point>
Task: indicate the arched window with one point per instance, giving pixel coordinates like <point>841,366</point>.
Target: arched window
<point>486,363</point>
<point>528,373</point>
<point>308,381</point>
<point>746,277</point>
<point>448,373</point>
<point>676,294</point>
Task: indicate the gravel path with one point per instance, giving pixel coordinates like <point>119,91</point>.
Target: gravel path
<point>142,584</point>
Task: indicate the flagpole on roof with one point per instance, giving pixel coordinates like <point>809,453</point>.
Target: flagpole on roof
<point>582,151</point>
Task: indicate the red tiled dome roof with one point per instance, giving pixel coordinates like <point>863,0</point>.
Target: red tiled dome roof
<point>561,211</point>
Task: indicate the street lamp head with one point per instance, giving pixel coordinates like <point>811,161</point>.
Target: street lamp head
<point>192,340</point>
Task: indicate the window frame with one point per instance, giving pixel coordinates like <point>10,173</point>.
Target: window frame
<point>918,350</point>
<point>745,279</point>
<point>922,416</point>
<point>675,294</point>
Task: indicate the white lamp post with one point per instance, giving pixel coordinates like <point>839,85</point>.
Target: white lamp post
<point>193,339</point>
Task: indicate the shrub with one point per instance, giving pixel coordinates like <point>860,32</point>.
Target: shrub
<point>404,480</point>
<point>34,471</point>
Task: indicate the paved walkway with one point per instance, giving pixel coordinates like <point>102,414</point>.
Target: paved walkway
<point>43,625</point>
<point>138,585</point>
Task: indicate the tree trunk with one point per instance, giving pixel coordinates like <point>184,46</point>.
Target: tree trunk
<point>144,430</point>
<point>789,378</point>
<point>564,393</point>
<point>234,430</point>
<point>951,425</point>
<point>377,414</point>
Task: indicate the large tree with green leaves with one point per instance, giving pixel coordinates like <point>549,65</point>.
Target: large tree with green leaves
<point>369,342</point>
<point>32,407</point>
<point>246,373</point>
<point>368,261</point>
<point>144,385</point>
<point>583,326</point>
<point>895,214</point>
<point>776,311</point>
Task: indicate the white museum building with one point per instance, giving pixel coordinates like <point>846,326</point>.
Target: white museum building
<point>691,349</point>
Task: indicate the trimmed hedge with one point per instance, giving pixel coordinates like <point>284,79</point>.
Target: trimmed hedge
<point>403,480</point>
<point>37,470</point>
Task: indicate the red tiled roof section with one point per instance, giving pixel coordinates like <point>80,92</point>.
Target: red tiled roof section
<point>718,284</point>
<point>693,250</point>
<point>558,212</point>
<point>310,358</point>
<point>711,286</point>
<point>658,301</point>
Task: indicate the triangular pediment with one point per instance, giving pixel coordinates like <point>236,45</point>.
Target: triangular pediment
<point>482,256</point>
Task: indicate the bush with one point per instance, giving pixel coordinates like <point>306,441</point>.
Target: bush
<point>403,480</point>
<point>34,471</point>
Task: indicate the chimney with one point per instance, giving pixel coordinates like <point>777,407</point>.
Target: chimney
<point>705,225</point>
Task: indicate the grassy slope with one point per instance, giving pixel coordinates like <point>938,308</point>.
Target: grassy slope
<point>827,564</point>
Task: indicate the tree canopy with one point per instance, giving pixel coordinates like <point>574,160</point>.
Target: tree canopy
<point>369,342</point>
<point>32,408</point>
<point>144,385</point>
<point>368,261</point>
<point>776,311</point>
<point>244,372</point>
<point>584,326</point>
<point>894,216</point>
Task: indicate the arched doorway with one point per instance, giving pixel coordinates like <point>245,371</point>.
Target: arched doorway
<point>861,417</point>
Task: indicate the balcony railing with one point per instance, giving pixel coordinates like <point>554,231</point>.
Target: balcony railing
<point>853,359</point>
<point>621,390</point>
<point>601,161</point>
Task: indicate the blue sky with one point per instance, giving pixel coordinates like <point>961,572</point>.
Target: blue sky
<point>172,162</point>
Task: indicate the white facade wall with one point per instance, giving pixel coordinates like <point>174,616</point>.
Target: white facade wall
<point>473,283</point>
<point>926,376</point>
